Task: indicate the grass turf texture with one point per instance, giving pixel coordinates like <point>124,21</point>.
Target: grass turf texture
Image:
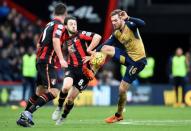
<point>137,118</point>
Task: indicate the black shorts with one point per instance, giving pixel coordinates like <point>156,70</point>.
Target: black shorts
<point>179,81</point>
<point>80,81</point>
<point>46,75</point>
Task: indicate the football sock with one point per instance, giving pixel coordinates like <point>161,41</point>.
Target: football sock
<point>31,101</point>
<point>121,103</point>
<point>42,100</point>
<point>67,108</point>
<point>61,99</point>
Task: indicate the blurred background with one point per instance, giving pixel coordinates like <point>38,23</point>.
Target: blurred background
<point>166,36</point>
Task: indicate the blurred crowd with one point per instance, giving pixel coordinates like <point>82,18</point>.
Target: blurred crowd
<point>17,34</point>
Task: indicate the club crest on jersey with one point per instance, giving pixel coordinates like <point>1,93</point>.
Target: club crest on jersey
<point>67,73</point>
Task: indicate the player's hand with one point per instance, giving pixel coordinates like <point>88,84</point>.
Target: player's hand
<point>123,15</point>
<point>86,59</point>
<point>90,51</point>
<point>63,63</point>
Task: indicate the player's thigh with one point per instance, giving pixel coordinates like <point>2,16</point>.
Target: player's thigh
<point>122,57</point>
<point>131,73</point>
<point>109,50</point>
<point>81,81</point>
<point>47,76</point>
<point>72,94</point>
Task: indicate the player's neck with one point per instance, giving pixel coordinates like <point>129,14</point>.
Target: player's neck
<point>58,18</point>
<point>122,26</point>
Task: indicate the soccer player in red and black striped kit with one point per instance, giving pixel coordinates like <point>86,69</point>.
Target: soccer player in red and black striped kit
<point>48,54</point>
<point>78,74</point>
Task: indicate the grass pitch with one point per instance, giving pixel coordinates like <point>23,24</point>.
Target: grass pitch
<point>137,118</point>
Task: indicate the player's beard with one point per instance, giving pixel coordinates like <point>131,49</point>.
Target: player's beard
<point>118,27</point>
<point>72,32</point>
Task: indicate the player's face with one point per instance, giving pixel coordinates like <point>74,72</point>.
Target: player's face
<point>116,21</point>
<point>179,52</point>
<point>72,26</point>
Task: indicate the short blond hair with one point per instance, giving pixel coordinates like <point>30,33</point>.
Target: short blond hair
<point>115,12</point>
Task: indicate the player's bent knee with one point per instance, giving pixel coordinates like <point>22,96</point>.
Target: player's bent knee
<point>40,90</point>
<point>109,50</point>
<point>65,89</point>
<point>105,48</point>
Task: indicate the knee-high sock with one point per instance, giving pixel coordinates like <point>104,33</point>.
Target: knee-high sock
<point>32,100</point>
<point>42,100</point>
<point>121,103</point>
<point>61,99</point>
<point>67,108</point>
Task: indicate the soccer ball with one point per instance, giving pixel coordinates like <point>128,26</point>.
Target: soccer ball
<point>98,59</point>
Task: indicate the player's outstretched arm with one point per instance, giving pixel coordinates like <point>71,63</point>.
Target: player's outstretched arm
<point>95,41</point>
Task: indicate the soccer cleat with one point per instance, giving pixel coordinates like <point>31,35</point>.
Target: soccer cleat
<point>60,121</point>
<point>113,119</point>
<point>25,119</point>
<point>23,123</point>
<point>56,114</point>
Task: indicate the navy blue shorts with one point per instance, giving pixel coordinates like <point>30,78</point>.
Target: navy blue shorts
<point>133,68</point>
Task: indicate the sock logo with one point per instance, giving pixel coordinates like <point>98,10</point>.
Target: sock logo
<point>37,106</point>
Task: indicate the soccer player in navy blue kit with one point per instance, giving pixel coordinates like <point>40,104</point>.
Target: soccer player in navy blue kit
<point>126,47</point>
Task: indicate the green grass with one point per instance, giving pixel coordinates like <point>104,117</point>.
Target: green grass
<point>137,118</point>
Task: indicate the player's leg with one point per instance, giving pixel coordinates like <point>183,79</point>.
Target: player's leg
<point>108,50</point>
<point>45,93</point>
<point>121,103</point>
<point>67,84</point>
<point>25,119</point>
<point>49,81</point>
<point>117,54</point>
<point>73,93</point>
<point>130,75</point>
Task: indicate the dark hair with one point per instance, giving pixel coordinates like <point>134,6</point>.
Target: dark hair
<point>69,18</point>
<point>115,12</point>
<point>60,9</point>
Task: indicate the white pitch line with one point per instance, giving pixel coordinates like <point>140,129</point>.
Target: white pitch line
<point>156,122</point>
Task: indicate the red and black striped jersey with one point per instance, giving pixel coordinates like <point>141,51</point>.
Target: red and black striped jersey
<point>77,46</point>
<point>46,53</point>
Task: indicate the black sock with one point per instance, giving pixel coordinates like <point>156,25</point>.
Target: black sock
<point>67,109</point>
<point>32,100</point>
<point>61,99</point>
<point>42,100</point>
<point>117,114</point>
